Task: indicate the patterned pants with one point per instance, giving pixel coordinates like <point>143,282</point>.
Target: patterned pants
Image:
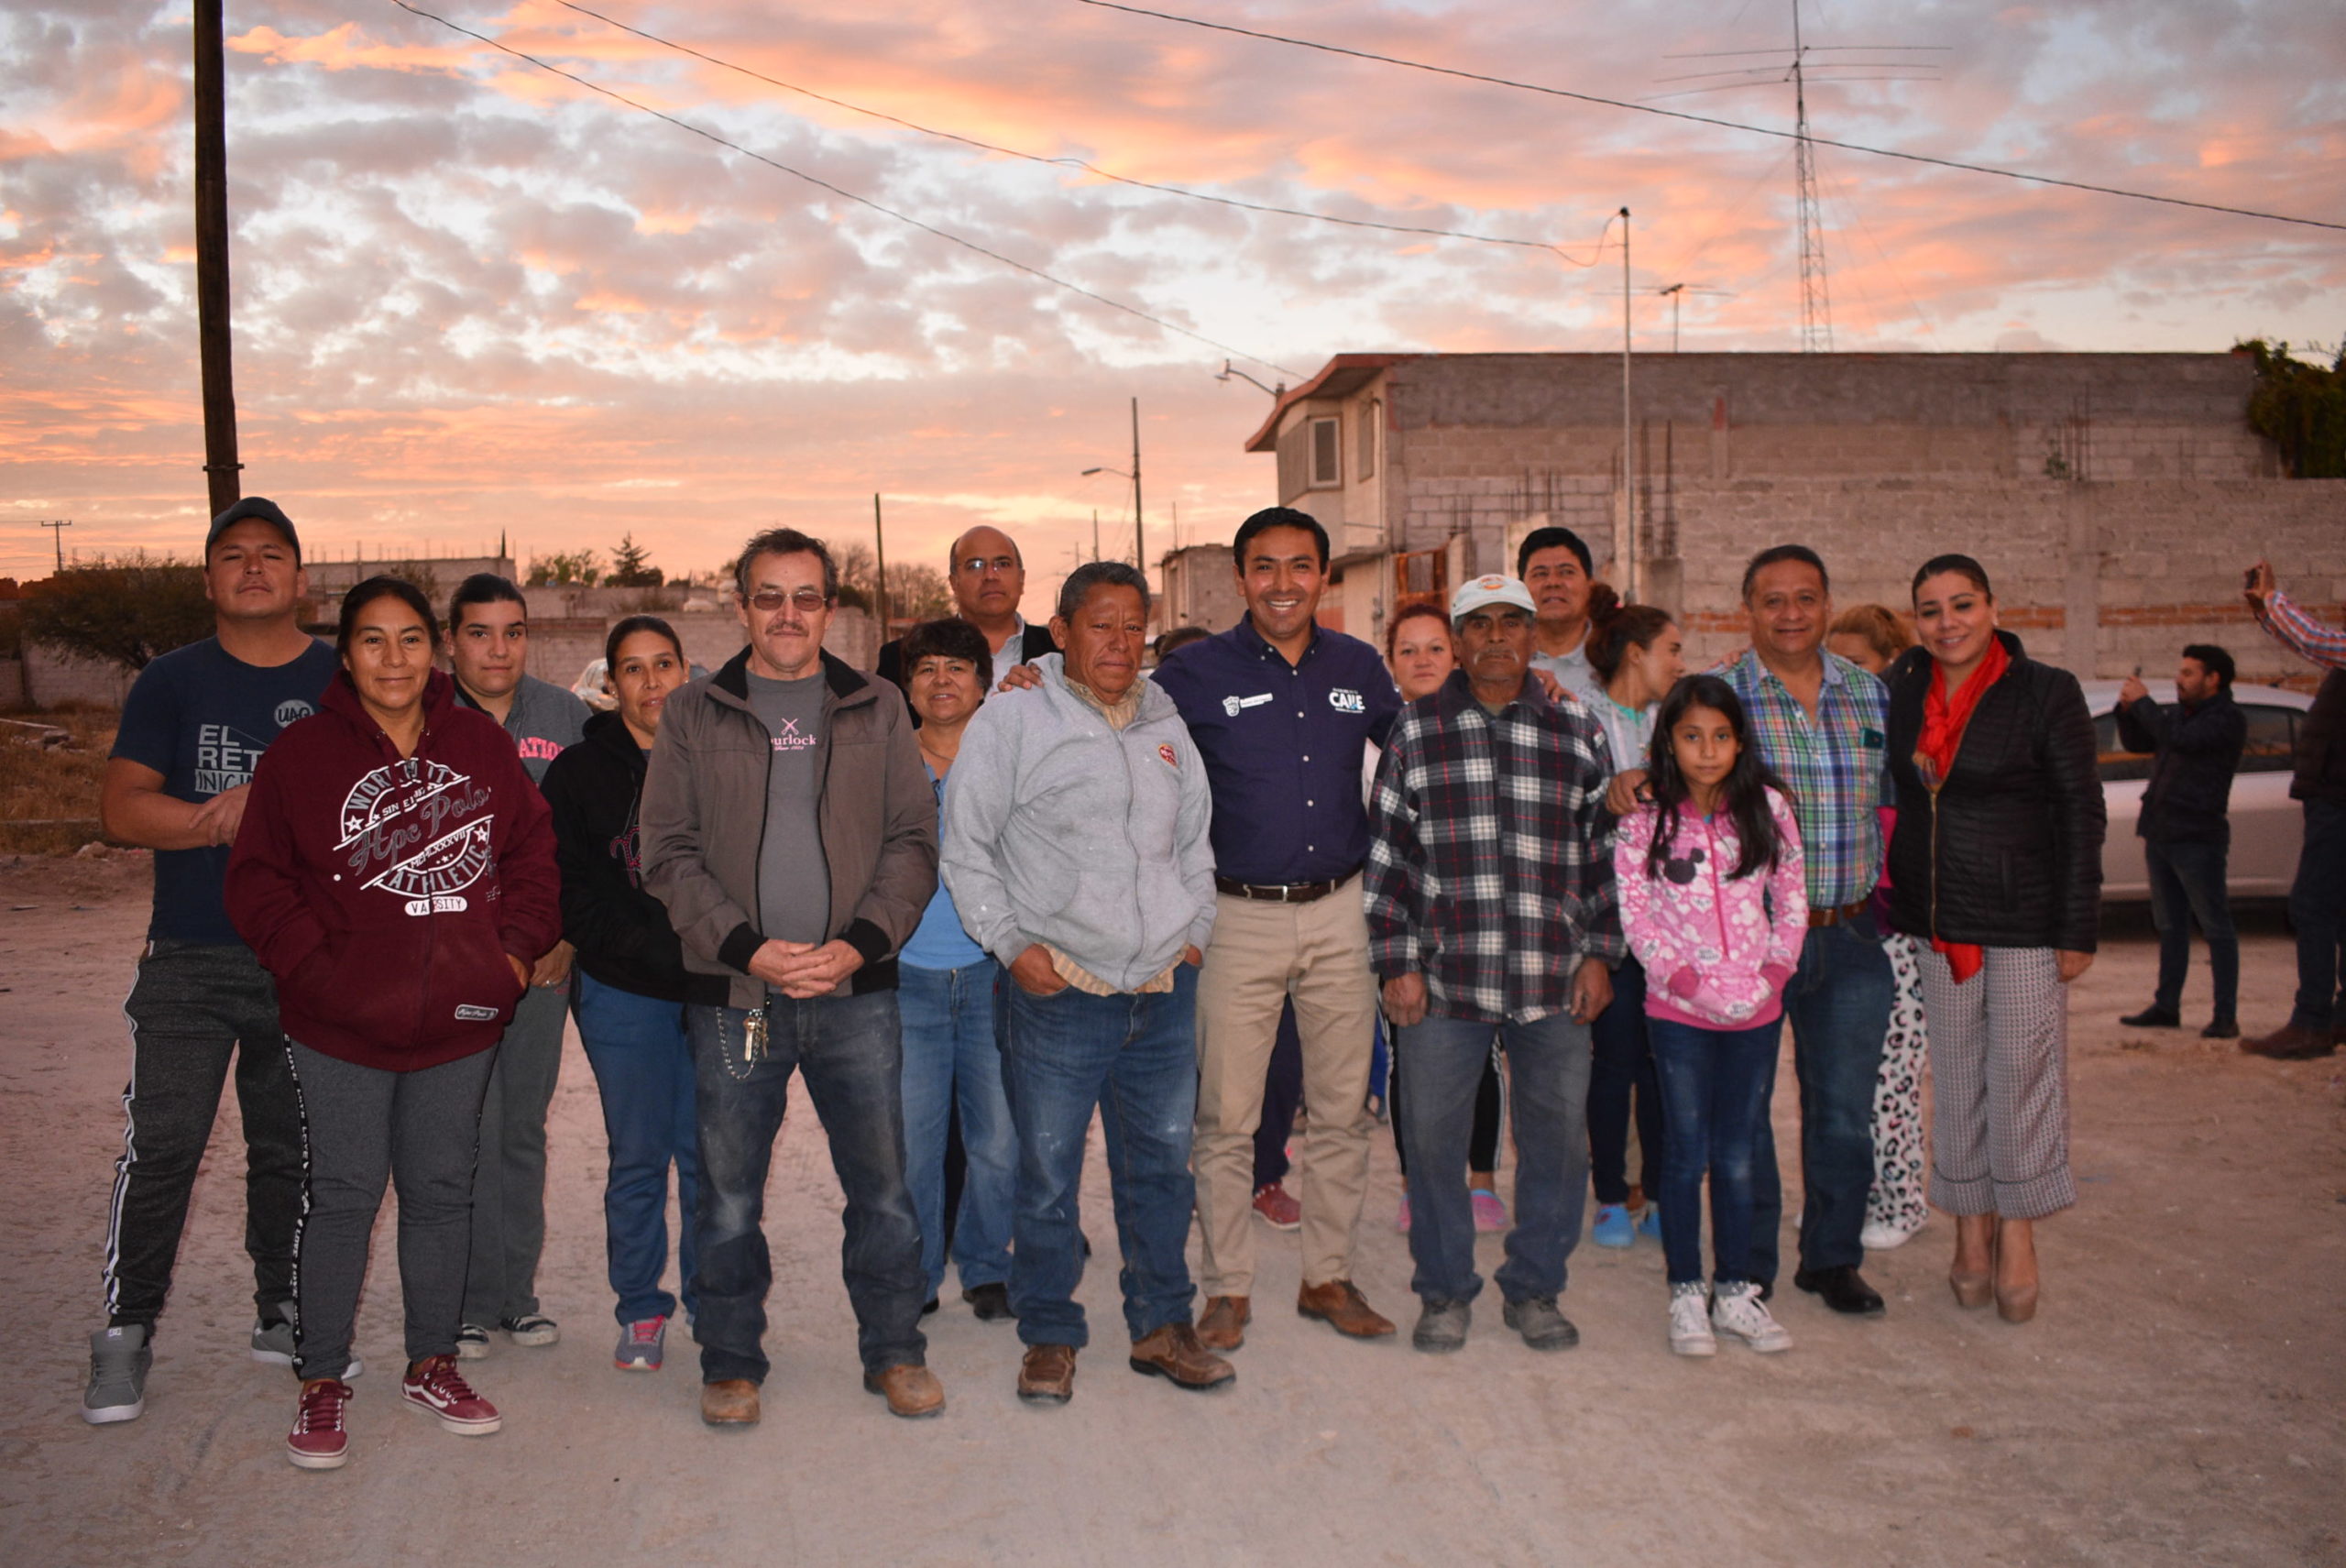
<point>1896,1202</point>
<point>1999,1085</point>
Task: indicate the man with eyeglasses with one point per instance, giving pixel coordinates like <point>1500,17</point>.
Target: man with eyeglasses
<point>789,827</point>
<point>1491,912</point>
<point>988,577</point>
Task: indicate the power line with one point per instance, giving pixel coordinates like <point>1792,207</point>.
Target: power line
<point>842,193</point>
<point>1706,119</point>
<point>1076,163</point>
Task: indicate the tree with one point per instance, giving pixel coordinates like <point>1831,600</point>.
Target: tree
<point>914,592</point>
<point>566,567</point>
<point>2300,407</point>
<point>124,612</point>
<point>632,565</point>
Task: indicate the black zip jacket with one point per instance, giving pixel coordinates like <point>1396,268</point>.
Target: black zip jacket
<point>2198,745</point>
<point>2014,859</point>
<point>620,931</point>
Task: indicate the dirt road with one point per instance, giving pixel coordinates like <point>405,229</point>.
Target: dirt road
<point>2180,1399</point>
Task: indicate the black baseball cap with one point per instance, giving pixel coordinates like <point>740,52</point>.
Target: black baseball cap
<point>260,507</point>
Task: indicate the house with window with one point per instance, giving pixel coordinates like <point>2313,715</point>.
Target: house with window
<point>2114,498</point>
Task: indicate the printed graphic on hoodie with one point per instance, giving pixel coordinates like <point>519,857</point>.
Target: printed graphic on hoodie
<point>416,821</point>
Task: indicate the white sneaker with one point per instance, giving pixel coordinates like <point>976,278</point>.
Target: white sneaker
<point>1690,1329</point>
<point>1736,1309</point>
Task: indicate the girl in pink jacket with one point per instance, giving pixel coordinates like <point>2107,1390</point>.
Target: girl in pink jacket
<point>1714,905</point>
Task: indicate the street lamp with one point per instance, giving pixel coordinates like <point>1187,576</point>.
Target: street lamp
<point>1140,552</point>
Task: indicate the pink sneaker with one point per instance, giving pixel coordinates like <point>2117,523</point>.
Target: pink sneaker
<point>437,1386</point>
<point>1490,1214</point>
<point>319,1440</point>
<point>1274,1203</point>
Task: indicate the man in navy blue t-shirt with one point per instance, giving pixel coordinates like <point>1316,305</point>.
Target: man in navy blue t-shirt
<point>195,723</point>
<point>1282,710</point>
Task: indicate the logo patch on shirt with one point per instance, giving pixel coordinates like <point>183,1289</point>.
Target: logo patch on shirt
<point>1344,699</point>
<point>1233,706</point>
<point>291,710</point>
<point>471,1012</point>
<point>791,737</point>
<point>1172,758</point>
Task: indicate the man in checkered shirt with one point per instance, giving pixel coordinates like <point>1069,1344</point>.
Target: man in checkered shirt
<point>1491,912</point>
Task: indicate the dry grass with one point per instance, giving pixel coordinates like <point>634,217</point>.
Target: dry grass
<point>49,795</point>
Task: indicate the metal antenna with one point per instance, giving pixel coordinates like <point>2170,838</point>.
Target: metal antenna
<point>1815,305</point>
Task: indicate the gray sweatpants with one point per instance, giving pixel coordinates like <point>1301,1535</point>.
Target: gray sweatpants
<point>364,1125</point>
<point>509,1182</point>
<point>1999,1085</point>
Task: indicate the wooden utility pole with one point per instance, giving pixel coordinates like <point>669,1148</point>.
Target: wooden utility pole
<point>220,465</point>
<point>58,534</point>
<point>879,555</point>
<point>1140,551</point>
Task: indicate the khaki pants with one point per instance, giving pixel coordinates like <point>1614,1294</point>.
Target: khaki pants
<point>1262,954</point>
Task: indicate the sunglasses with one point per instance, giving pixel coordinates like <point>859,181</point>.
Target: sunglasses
<point>807,601</point>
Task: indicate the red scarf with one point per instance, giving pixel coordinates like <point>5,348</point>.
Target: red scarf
<point>1944,720</point>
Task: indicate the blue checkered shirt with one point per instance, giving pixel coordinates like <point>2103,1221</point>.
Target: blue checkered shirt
<point>1489,870</point>
<point>1836,767</point>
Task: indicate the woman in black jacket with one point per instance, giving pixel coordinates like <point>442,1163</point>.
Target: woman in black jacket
<point>631,985</point>
<point>1996,863</point>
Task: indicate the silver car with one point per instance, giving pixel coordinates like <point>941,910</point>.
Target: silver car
<point>2267,826</point>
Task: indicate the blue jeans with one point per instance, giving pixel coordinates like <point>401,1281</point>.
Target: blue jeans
<point>1136,1059</point>
<point>643,1067</point>
<point>1623,1062</point>
<point>2318,914</point>
<point>848,1050</point>
<point>1838,1005</point>
<point>951,1058</point>
<point>2188,885</point>
<point>1548,1062</point>
<point>1717,1084</point>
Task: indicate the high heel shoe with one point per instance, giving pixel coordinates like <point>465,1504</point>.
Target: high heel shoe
<point>2016,1303</point>
<point>1975,1289</point>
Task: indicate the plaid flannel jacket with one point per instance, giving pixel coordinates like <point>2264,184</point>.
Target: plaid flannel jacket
<point>1488,868</point>
<point>1835,767</point>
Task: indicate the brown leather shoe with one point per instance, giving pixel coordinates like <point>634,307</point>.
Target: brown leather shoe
<point>1047,1374</point>
<point>1341,1305</point>
<point>2289,1043</point>
<point>1225,1325</point>
<point>1173,1353</point>
<point>912,1391</point>
<point>730,1402</point>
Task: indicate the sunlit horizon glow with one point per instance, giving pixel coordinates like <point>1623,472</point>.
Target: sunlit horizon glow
<point>473,299</point>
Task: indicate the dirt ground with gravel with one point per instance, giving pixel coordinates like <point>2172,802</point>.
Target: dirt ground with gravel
<point>2179,1399</point>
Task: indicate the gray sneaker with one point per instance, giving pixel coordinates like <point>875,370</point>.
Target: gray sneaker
<point>1441,1327</point>
<point>472,1342</point>
<point>1541,1326</point>
<point>118,1362</point>
<point>275,1342</point>
<point>532,1328</point>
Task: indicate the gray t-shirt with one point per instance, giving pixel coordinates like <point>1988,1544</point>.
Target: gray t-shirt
<point>793,879</point>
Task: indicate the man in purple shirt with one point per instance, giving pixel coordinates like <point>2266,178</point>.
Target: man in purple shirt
<point>1281,709</point>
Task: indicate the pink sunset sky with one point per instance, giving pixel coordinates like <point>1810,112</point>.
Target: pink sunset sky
<point>472,297</point>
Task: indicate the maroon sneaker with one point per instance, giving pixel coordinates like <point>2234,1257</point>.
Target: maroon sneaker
<point>319,1441</point>
<point>1276,1205</point>
<point>436,1386</point>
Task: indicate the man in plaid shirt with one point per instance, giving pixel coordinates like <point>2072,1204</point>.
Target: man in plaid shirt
<point>1491,912</point>
<point>1821,723</point>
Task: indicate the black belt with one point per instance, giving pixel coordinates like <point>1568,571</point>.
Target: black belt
<point>1281,891</point>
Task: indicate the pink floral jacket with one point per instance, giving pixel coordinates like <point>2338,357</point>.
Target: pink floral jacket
<point>1716,949</point>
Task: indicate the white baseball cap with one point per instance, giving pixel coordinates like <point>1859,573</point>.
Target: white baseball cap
<point>1491,588</point>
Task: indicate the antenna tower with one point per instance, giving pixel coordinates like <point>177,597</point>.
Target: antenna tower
<point>1816,304</point>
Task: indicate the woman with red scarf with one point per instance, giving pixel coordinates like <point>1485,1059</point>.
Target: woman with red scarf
<point>1996,863</point>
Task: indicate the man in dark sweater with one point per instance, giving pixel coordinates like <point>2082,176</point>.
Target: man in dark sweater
<point>988,576</point>
<point>2186,825</point>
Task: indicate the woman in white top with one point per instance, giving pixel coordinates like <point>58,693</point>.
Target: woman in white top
<point>1635,656</point>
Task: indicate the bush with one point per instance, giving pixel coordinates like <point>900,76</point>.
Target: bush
<point>125,611</point>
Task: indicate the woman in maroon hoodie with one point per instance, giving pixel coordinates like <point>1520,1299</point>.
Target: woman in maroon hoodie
<point>395,872</point>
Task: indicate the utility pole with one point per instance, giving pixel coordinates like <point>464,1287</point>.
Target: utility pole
<point>1626,545</point>
<point>1095,533</point>
<point>220,463</point>
<point>1140,551</point>
<point>57,533</point>
<point>879,555</point>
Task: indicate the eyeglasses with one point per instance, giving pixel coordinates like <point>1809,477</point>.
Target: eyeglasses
<point>976,563</point>
<point>807,601</point>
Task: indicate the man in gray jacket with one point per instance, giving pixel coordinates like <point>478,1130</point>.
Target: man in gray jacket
<point>790,830</point>
<point>1075,849</point>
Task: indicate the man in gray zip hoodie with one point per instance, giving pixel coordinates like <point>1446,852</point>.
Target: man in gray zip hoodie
<point>1075,849</point>
<point>789,827</point>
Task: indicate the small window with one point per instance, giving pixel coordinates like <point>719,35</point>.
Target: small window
<point>2272,740</point>
<point>1326,472</point>
<point>1372,414</point>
